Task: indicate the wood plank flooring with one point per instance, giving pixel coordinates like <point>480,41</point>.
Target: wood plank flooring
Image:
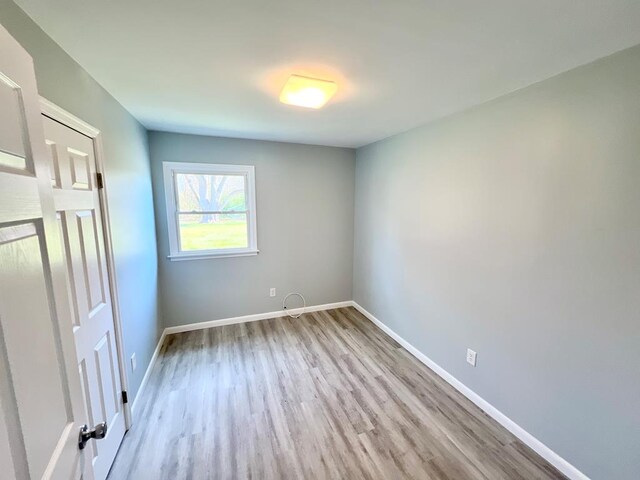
<point>325,396</point>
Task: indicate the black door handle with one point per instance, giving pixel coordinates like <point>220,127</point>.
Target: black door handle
<point>98,432</point>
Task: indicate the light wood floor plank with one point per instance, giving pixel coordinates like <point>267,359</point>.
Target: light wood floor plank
<point>324,396</point>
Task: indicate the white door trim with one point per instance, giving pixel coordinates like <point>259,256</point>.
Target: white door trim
<point>64,117</point>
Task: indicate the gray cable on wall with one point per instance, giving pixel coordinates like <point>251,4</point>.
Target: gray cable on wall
<point>284,304</point>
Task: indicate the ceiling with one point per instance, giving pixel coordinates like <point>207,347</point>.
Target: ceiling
<point>216,67</point>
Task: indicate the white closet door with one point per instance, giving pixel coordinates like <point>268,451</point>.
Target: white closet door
<point>77,203</point>
<point>41,405</point>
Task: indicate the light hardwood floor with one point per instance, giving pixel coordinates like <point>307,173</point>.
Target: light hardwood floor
<point>327,395</point>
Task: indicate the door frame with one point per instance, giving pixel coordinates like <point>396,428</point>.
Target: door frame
<point>66,118</point>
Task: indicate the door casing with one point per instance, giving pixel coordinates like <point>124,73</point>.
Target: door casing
<point>60,115</point>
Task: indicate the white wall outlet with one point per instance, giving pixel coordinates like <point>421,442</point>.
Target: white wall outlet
<point>134,363</point>
<point>471,357</point>
<point>272,292</point>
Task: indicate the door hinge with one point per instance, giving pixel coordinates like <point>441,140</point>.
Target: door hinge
<point>99,180</point>
<point>125,398</point>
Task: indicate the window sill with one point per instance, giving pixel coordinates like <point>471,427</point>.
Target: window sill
<point>206,256</point>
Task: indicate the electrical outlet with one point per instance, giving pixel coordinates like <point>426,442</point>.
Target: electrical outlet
<point>134,363</point>
<point>272,292</point>
<point>471,357</point>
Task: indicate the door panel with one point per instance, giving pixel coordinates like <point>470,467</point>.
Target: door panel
<point>22,276</point>
<point>41,407</point>
<point>91,261</point>
<point>73,302</point>
<point>54,169</point>
<point>78,206</point>
<point>109,397</point>
<point>80,171</point>
<point>12,150</point>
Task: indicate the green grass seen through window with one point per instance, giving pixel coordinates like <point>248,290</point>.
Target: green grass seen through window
<point>211,236</point>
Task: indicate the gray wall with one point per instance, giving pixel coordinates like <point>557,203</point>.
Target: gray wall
<point>305,229</point>
<point>514,229</point>
<point>62,81</point>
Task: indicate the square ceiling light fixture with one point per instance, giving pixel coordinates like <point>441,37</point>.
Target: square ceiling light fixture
<point>307,92</point>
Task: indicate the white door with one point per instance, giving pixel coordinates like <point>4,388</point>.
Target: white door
<point>41,405</point>
<point>77,202</point>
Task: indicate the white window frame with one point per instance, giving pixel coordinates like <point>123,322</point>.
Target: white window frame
<point>171,198</point>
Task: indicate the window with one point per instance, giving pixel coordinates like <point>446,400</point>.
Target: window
<point>211,210</point>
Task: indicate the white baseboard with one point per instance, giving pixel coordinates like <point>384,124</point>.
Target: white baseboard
<point>219,323</point>
<point>147,374</point>
<point>540,448</point>
<point>255,317</point>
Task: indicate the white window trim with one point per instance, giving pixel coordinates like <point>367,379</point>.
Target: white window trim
<point>248,171</point>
